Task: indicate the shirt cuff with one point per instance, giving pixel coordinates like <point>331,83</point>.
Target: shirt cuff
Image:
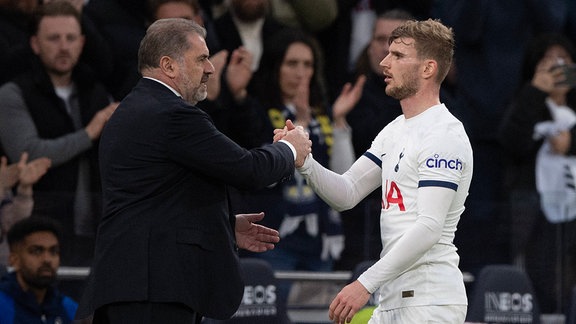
<point>290,146</point>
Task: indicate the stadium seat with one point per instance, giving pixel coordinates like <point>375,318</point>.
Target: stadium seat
<point>572,308</point>
<point>261,303</point>
<point>503,294</point>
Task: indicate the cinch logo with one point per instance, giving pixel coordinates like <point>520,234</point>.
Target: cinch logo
<point>438,163</point>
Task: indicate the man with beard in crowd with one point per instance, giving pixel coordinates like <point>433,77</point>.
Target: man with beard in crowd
<point>27,294</point>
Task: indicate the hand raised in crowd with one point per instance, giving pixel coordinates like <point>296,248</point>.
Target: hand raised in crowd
<point>347,100</point>
<point>94,128</point>
<point>31,172</point>
<point>302,103</point>
<point>8,175</point>
<point>297,137</point>
<point>254,237</point>
<point>23,173</point>
<point>548,75</point>
<point>239,73</point>
<point>219,62</point>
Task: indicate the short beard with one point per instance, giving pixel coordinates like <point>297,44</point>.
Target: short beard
<point>200,95</point>
<point>39,282</point>
<point>406,90</point>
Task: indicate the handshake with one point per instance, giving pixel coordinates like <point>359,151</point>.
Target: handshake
<point>296,136</point>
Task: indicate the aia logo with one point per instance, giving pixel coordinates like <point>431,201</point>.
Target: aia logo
<point>393,196</point>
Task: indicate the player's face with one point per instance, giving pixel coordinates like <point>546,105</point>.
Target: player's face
<point>58,43</point>
<point>401,69</point>
<point>36,260</point>
<point>296,70</point>
<point>194,71</point>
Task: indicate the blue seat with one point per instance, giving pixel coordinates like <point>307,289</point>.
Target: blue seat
<point>261,303</point>
<point>503,294</point>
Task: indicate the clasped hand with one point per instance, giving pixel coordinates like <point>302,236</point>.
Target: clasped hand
<point>298,137</point>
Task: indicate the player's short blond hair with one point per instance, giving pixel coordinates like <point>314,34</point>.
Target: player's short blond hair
<point>433,40</point>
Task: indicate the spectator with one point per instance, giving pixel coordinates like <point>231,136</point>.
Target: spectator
<point>14,207</point>
<point>374,110</point>
<point>289,84</point>
<point>487,64</point>
<point>247,24</point>
<point>28,294</point>
<point>538,133</point>
<point>351,31</point>
<point>16,54</point>
<point>122,23</point>
<point>190,9</point>
<point>57,111</point>
<point>312,16</point>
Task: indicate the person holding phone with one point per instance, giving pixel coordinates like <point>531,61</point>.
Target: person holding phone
<point>538,134</point>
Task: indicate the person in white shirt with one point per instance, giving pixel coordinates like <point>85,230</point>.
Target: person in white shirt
<point>423,161</point>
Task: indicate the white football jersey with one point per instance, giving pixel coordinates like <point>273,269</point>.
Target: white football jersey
<point>432,151</point>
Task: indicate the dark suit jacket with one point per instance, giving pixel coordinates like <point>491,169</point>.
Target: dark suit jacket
<point>166,234</point>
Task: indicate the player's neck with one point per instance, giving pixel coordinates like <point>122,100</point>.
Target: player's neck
<point>418,103</point>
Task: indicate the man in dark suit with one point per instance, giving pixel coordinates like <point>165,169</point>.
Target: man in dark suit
<point>166,245</point>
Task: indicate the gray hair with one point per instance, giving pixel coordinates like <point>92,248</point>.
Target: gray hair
<point>166,37</point>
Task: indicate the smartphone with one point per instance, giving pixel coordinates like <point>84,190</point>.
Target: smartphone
<point>569,71</point>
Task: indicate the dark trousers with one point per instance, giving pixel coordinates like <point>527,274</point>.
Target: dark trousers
<point>145,313</point>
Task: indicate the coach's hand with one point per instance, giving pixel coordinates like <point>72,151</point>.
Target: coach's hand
<point>254,237</point>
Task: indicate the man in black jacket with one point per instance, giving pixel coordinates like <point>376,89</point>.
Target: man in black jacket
<point>166,250</point>
<point>57,110</point>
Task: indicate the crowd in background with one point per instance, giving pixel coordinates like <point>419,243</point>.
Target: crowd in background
<point>316,63</point>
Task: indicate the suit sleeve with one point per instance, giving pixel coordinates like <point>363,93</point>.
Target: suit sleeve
<point>193,140</point>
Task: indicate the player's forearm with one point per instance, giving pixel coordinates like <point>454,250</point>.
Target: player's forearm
<point>344,191</point>
<point>433,206</point>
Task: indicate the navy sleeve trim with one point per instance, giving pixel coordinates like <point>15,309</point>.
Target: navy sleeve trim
<point>374,159</point>
<point>436,183</point>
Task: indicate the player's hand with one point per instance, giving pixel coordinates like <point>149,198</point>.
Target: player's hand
<point>348,302</point>
<point>300,139</point>
<point>279,133</point>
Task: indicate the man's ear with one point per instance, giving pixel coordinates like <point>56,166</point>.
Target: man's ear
<point>168,66</point>
<point>430,69</point>
<point>34,44</point>
<point>14,260</point>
